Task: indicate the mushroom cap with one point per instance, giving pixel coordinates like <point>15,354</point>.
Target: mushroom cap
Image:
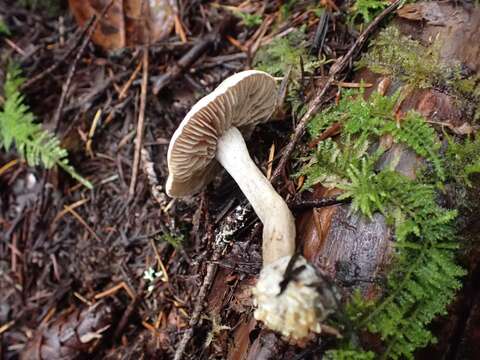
<point>243,100</point>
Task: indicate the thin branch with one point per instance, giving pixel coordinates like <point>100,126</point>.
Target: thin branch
<point>140,124</point>
<point>335,70</point>
<point>53,67</point>
<point>187,60</point>
<point>199,304</point>
<point>73,67</point>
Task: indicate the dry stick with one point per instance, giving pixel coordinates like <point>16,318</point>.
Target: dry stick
<point>52,67</point>
<point>197,310</point>
<point>231,224</point>
<point>189,58</point>
<point>185,62</point>
<point>299,204</point>
<point>140,123</point>
<point>73,67</point>
<point>129,310</point>
<point>149,170</point>
<point>336,68</point>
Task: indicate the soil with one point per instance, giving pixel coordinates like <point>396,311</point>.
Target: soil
<point>143,275</point>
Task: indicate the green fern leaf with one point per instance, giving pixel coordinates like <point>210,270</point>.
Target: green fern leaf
<point>17,127</point>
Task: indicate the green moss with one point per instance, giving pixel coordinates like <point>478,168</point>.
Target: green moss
<point>286,9</point>
<point>4,30</point>
<point>463,160</point>
<point>366,10</point>
<point>424,276</point>
<point>174,240</point>
<point>420,67</point>
<point>284,55</point>
<point>348,354</point>
<point>249,20</point>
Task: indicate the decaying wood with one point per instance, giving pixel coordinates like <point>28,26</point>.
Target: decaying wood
<point>356,251</point>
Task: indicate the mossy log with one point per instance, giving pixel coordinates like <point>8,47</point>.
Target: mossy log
<point>355,250</point>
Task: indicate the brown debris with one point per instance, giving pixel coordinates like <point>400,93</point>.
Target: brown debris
<point>127,22</point>
<point>74,332</point>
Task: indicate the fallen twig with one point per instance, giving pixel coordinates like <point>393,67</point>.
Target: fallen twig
<point>65,56</point>
<point>230,226</point>
<point>73,67</point>
<point>335,70</point>
<point>189,58</point>
<point>155,186</point>
<point>140,123</point>
<point>199,304</point>
<point>129,310</point>
<point>298,204</point>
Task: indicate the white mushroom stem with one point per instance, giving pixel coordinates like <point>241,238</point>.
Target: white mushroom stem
<point>273,212</point>
<point>296,308</point>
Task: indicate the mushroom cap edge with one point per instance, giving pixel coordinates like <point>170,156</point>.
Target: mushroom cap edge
<point>179,186</point>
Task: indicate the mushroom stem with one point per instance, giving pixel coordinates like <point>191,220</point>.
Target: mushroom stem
<point>278,221</point>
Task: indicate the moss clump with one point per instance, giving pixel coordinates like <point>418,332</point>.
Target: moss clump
<point>284,53</point>
<point>288,54</point>
<point>4,28</point>
<point>418,66</point>
<point>174,240</point>
<point>463,160</point>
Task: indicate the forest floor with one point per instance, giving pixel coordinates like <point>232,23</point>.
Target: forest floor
<point>148,262</point>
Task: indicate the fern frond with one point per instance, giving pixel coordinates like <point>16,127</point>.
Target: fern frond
<point>4,30</point>
<point>367,9</point>
<point>349,355</point>
<point>415,299</point>
<point>367,120</point>
<point>418,135</point>
<point>362,190</point>
<point>17,127</point>
<point>424,277</point>
<point>331,162</point>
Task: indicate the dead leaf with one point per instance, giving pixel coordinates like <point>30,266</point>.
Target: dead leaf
<point>127,22</point>
<point>72,333</point>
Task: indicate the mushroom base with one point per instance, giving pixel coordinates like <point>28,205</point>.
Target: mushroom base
<point>298,310</point>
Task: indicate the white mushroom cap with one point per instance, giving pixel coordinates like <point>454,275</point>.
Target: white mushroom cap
<point>242,100</point>
<point>301,306</point>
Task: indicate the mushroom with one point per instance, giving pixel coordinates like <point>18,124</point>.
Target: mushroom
<point>211,134</point>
